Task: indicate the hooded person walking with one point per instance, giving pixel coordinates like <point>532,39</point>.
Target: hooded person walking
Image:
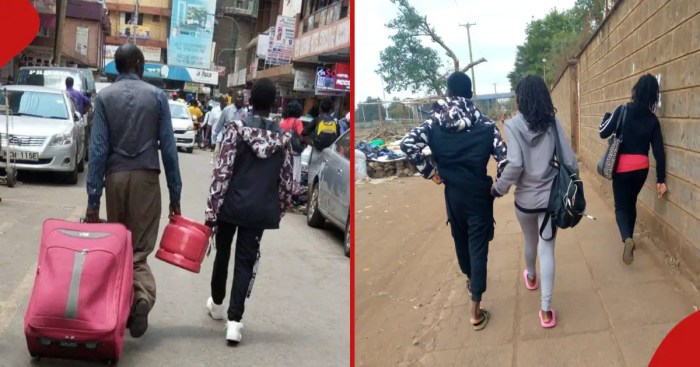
<point>530,152</point>
<point>461,140</point>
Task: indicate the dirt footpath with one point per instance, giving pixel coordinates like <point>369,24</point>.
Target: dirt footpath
<point>412,306</point>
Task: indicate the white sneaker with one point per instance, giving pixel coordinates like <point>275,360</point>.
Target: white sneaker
<point>216,312</point>
<point>233,331</point>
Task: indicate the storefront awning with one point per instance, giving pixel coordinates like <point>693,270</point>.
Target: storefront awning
<point>171,72</point>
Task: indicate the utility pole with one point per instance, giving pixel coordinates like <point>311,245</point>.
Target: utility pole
<point>494,89</point>
<point>471,59</point>
<point>61,6</point>
<point>135,20</point>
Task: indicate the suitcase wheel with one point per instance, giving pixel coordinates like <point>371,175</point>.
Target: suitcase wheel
<point>110,362</point>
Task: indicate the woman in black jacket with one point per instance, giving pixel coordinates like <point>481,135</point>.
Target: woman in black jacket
<point>638,131</point>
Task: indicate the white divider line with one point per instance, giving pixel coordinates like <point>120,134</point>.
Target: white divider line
<point>9,307</point>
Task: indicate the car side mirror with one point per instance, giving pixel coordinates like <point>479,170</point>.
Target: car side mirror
<point>76,116</point>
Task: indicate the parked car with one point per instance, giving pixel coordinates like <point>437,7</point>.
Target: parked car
<point>330,189</point>
<point>183,126</point>
<point>46,132</point>
<point>55,77</point>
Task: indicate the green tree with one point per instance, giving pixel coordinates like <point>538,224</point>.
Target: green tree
<point>555,38</point>
<point>409,65</point>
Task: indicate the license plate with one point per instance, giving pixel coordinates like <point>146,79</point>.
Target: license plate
<point>20,156</point>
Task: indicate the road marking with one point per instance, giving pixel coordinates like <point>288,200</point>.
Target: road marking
<point>8,308</point>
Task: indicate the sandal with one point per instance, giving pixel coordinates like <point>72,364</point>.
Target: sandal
<point>552,323</point>
<point>628,252</point>
<point>527,283</point>
<point>482,323</point>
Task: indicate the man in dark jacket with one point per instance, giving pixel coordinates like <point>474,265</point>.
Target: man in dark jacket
<point>461,140</point>
<point>255,165</point>
<point>131,122</point>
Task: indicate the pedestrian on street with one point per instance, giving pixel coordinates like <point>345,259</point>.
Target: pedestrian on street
<point>321,134</point>
<point>250,192</point>
<point>81,101</point>
<point>640,130</point>
<point>212,118</point>
<point>292,124</point>
<point>531,143</point>
<point>461,139</point>
<point>232,112</point>
<point>131,122</point>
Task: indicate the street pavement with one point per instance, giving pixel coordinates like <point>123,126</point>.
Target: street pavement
<point>413,307</point>
<point>298,313</point>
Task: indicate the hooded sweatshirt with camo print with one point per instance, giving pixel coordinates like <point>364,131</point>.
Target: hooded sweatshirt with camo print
<point>452,115</point>
<point>266,143</point>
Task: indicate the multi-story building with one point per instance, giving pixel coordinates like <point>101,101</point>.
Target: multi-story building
<point>84,30</point>
<point>150,29</point>
<point>304,47</point>
<point>235,25</point>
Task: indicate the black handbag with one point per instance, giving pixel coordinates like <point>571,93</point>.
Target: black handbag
<point>608,162</point>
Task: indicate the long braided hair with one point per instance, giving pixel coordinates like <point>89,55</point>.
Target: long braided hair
<point>535,103</point>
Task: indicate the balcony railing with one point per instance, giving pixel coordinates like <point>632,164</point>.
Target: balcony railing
<point>247,8</point>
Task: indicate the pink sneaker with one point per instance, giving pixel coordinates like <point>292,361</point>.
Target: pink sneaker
<point>527,284</point>
<point>552,323</point>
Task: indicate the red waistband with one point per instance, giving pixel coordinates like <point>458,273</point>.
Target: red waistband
<point>632,162</point>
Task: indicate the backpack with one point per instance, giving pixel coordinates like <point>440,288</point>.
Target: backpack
<point>326,133</point>
<point>298,145</point>
<point>567,204</point>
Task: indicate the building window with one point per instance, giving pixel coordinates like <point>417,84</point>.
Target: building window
<point>156,19</point>
<point>129,16</point>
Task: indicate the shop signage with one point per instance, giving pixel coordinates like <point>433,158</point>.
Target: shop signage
<point>191,32</point>
<point>128,30</point>
<point>149,53</point>
<point>329,38</point>
<point>281,48</point>
<point>304,80</point>
<point>333,80</point>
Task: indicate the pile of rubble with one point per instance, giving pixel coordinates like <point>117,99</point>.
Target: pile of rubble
<point>400,168</point>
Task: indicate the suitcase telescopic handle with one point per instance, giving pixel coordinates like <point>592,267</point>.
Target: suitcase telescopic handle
<point>82,220</point>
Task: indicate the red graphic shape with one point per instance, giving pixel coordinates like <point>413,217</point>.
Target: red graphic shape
<point>680,347</point>
<point>21,23</point>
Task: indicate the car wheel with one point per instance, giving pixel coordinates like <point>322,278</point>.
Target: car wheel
<point>11,177</point>
<point>313,216</point>
<point>81,165</point>
<point>189,150</point>
<point>72,177</point>
<point>347,238</point>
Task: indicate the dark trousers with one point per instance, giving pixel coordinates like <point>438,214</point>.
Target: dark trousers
<point>471,221</point>
<point>626,188</point>
<point>245,266</point>
<point>133,199</point>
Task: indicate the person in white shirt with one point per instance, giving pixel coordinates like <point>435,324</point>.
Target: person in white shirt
<point>212,118</point>
<point>229,114</point>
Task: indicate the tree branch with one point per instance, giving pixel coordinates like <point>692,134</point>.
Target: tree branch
<point>434,36</point>
<point>473,64</point>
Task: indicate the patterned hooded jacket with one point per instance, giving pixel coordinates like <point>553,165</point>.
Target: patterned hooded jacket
<point>264,144</point>
<point>452,115</point>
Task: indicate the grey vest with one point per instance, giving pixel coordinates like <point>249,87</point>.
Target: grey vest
<point>133,119</point>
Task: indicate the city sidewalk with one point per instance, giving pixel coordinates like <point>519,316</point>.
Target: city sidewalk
<point>413,309</point>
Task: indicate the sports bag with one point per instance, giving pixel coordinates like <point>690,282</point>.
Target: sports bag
<point>326,133</point>
<point>567,204</point>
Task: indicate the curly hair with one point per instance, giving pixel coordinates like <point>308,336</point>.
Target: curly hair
<point>263,94</point>
<point>293,109</point>
<point>535,103</point>
<point>645,92</point>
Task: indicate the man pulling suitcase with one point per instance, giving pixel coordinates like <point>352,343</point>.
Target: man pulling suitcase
<point>131,123</point>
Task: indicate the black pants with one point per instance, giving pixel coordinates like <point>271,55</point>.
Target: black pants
<point>245,267</point>
<point>626,188</point>
<point>471,221</point>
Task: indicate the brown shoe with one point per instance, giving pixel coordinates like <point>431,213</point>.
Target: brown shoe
<point>138,323</point>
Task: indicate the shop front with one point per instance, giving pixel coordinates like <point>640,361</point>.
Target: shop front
<point>171,77</point>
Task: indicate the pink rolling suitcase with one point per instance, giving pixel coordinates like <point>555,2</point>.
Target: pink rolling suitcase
<point>82,292</point>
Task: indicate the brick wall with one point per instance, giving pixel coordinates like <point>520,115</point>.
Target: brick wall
<point>660,37</point>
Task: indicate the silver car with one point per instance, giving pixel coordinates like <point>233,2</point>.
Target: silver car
<point>330,189</point>
<point>46,133</point>
<point>183,126</point>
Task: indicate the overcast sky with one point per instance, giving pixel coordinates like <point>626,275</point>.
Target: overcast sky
<point>500,27</point>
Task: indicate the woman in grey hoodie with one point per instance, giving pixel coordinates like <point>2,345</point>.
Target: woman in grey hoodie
<point>530,151</point>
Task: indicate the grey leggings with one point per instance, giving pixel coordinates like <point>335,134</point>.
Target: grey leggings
<point>535,245</point>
